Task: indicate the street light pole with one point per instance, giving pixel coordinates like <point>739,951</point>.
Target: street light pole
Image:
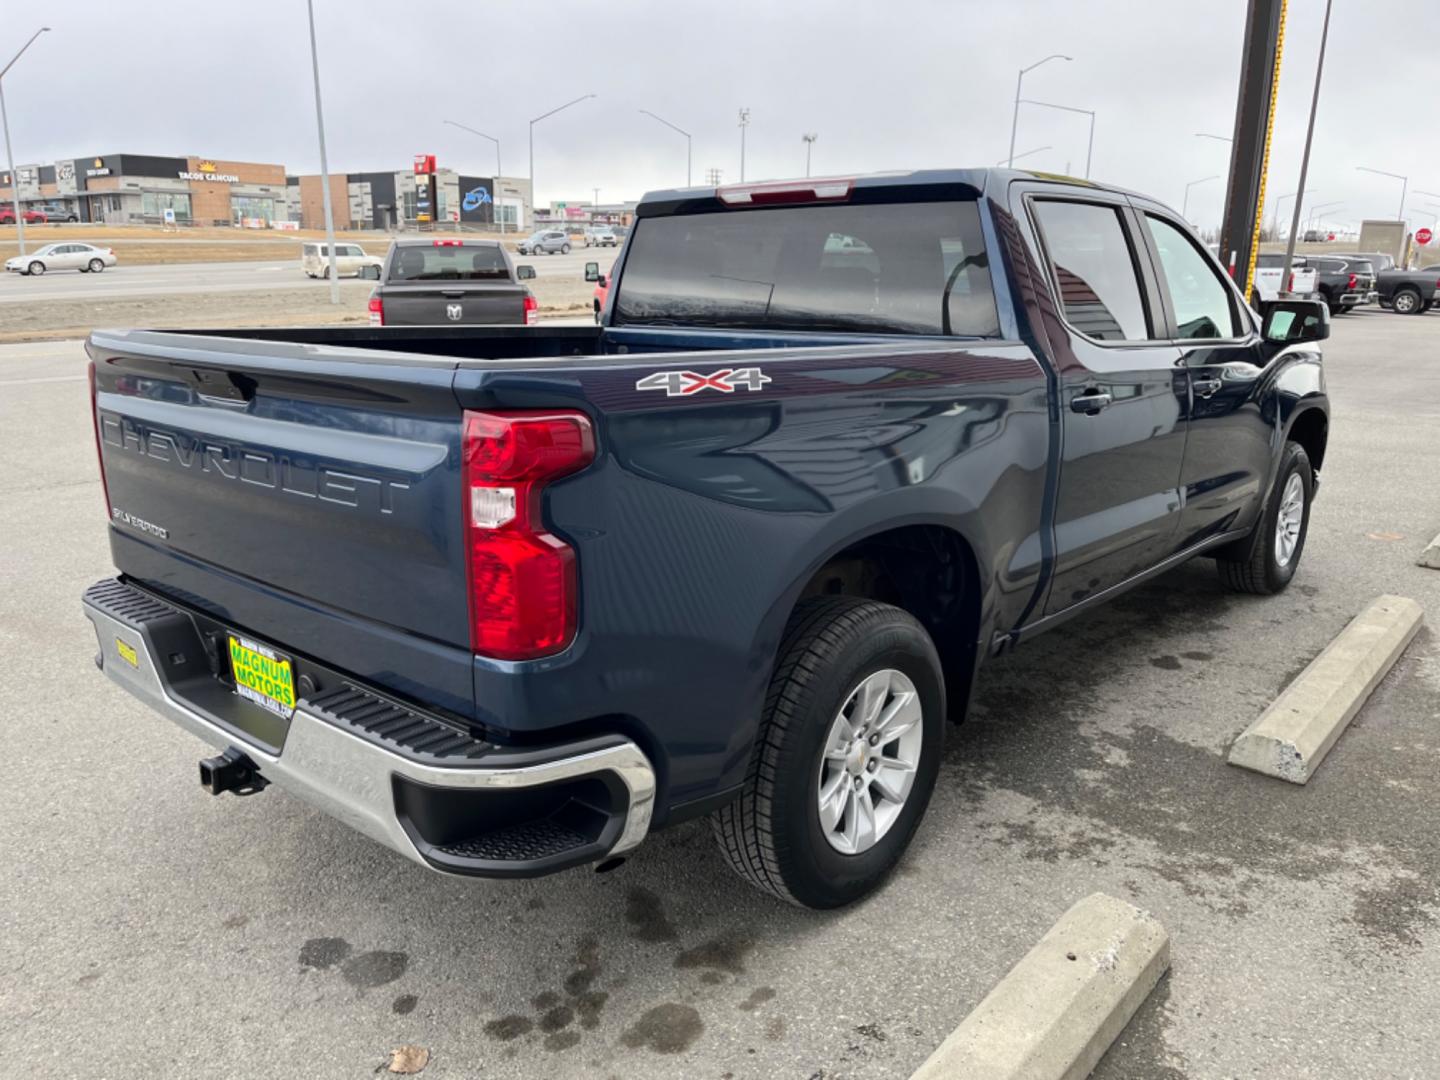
<point>1275,209</point>
<point>1015,116</point>
<point>1305,157</point>
<point>1016,157</point>
<point>1070,108</point>
<point>534,194</point>
<point>1184,205</point>
<point>682,131</point>
<point>9,156</point>
<point>744,123</point>
<point>809,141</point>
<point>493,200</point>
<point>1404,183</point>
<point>324,164</point>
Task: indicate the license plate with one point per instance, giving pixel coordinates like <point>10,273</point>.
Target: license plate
<point>262,675</point>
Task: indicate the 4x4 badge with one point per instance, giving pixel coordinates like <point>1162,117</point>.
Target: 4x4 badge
<point>685,383</point>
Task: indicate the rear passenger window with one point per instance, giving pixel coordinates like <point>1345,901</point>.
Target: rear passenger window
<point>1200,299</point>
<point>1094,270</point>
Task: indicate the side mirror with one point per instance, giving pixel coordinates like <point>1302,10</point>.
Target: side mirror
<point>524,273</point>
<point>592,271</point>
<point>1291,321</point>
<point>600,281</point>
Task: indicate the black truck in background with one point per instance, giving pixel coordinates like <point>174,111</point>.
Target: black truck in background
<point>448,281</point>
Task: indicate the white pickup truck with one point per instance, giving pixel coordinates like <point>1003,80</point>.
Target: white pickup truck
<point>1304,280</point>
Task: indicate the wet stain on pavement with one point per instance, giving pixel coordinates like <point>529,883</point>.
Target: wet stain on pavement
<point>509,1027</point>
<point>587,957</point>
<point>561,1016</point>
<point>1395,915</point>
<point>404,1005</point>
<point>372,969</point>
<point>236,922</point>
<point>726,953</point>
<point>1166,663</point>
<point>546,999</point>
<point>562,1040</point>
<point>670,1028</point>
<point>324,952</point>
<point>758,997</point>
<point>644,912</point>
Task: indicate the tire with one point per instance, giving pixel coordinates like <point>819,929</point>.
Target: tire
<point>772,835</point>
<point>97,266</point>
<point>564,249</point>
<point>1254,565</point>
<point>1407,301</point>
<point>325,274</point>
<point>36,268</point>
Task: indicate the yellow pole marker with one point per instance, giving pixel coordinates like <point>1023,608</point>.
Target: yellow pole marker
<point>1265,159</point>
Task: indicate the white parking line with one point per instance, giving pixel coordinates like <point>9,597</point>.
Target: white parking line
<point>43,379</point>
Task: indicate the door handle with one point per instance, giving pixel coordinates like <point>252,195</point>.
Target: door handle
<point>1205,387</point>
<point>1090,402</point>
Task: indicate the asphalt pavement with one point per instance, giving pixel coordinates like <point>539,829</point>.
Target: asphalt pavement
<point>211,277</point>
<point>151,930</point>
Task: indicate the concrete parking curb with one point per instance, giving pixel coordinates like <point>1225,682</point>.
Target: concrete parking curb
<point>1431,555</point>
<point>1059,1009</point>
<point>1294,734</point>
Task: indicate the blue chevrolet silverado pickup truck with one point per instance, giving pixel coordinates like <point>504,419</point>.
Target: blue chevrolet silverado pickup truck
<point>509,599</point>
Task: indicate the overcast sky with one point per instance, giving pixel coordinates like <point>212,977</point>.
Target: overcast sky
<point>884,85</point>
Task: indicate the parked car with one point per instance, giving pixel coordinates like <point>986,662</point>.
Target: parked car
<point>350,261</point>
<point>442,282</point>
<point>509,599</point>
<point>58,212</point>
<point>601,236</point>
<point>1345,281</point>
<point>1268,268</point>
<point>546,242</point>
<point>1406,292</point>
<point>32,216</point>
<point>87,258</point>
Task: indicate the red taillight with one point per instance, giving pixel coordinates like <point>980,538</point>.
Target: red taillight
<point>532,311</point>
<point>835,189</point>
<point>447,243</point>
<point>1291,286</point>
<point>523,581</point>
<point>377,311</point>
<point>95,420</point>
<point>1351,283</point>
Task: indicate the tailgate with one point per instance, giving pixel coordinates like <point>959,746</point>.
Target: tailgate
<point>440,305</point>
<point>287,472</point>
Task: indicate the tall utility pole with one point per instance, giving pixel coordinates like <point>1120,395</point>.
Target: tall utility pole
<point>534,193</point>
<point>809,141</point>
<point>1305,158</point>
<point>324,164</point>
<point>1015,117</point>
<point>597,197</point>
<point>682,131</point>
<point>10,157</point>
<point>744,123</point>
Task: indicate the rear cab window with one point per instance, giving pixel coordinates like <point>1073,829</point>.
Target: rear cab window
<point>1095,269</point>
<point>461,262</point>
<point>888,268</point>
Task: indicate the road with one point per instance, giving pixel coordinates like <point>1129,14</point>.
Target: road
<point>190,278</point>
<point>152,930</point>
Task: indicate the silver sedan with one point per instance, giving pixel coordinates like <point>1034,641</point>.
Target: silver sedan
<point>87,258</point>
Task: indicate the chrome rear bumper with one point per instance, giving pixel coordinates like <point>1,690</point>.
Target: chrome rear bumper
<point>358,781</point>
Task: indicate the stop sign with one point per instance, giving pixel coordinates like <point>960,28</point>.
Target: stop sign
<point>1423,236</point>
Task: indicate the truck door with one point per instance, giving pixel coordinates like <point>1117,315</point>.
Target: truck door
<point>1230,441</point>
<point>1121,402</point>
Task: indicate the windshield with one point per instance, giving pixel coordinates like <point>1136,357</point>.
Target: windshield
<point>914,268</point>
<point>448,263</point>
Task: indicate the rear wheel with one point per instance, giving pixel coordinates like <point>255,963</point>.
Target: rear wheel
<point>1407,302</point>
<point>1265,561</point>
<point>97,266</point>
<point>564,249</point>
<point>846,756</point>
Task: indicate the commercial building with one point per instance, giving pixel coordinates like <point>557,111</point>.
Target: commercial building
<point>387,200</point>
<point>132,189</point>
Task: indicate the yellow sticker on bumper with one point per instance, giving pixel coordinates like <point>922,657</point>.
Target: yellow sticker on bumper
<point>127,653</point>
<point>262,676</point>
